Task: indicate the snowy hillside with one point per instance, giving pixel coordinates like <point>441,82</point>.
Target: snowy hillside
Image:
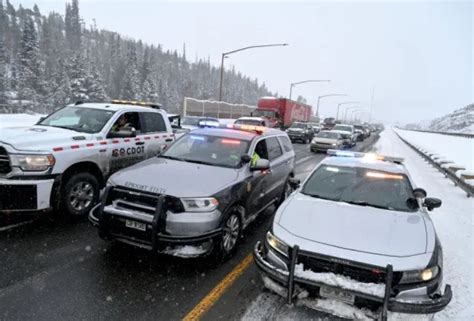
<point>461,120</point>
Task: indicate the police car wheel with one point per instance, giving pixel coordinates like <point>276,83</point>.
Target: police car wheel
<point>287,190</point>
<point>232,228</point>
<point>80,194</point>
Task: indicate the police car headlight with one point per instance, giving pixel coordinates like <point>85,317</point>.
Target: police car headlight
<point>202,204</point>
<point>36,163</point>
<point>277,244</point>
<point>419,275</point>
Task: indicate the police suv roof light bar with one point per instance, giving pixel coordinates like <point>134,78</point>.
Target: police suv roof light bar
<point>369,156</point>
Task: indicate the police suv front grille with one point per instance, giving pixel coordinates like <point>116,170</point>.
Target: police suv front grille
<point>353,272</point>
<point>5,167</point>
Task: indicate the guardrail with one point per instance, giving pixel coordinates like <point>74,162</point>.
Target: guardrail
<point>465,135</point>
<point>448,173</point>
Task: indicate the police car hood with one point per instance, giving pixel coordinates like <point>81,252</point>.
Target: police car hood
<point>175,178</point>
<point>311,222</point>
<point>37,138</point>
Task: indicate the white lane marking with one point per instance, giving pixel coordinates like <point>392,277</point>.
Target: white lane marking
<point>9,227</point>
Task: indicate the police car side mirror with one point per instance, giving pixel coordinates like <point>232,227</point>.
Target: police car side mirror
<point>245,159</point>
<point>294,183</point>
<point>419,193</point>
<point>123,133</point>
<point>432,203</point>
<point>260,165</point>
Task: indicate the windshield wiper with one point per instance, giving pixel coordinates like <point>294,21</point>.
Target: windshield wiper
<point>65,127</point>
<point>201,162</point>
<point>318,196</point>
<point>364,203</point>
<point>172,157</point>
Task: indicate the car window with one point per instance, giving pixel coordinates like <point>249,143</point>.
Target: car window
<point>274,148</point>
<point>153,123</point>
<point>285,141</point>
<point>261,149</point>
<point>360,185</point>
<point>128,120</point>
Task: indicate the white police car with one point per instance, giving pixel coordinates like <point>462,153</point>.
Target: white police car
<point>357,234</point>
<point>66,158</point>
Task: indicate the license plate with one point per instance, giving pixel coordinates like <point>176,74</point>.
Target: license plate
<point>336,294</point>
<point>135,225</point>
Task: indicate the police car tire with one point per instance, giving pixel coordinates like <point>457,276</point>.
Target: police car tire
<point>75,179</point>
<point>223,253</point>
<point>283,196</point>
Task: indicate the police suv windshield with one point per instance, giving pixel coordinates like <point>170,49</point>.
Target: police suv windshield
<point>361,186</point>
<point>80,119</point>
<point>208,150</point>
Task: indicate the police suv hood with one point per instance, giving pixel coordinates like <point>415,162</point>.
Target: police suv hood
<point>175,178</point>
<point>358,233</point>
<point>39,138</point>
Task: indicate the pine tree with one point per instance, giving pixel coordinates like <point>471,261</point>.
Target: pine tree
<point>31,85</point>
<point>3,73</point>
<point>131,85</point>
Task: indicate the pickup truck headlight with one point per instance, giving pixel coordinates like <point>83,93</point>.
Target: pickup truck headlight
<point>34,162</point>
<point>277,244</point>
<point>419,275</point>
<point>201,204</point>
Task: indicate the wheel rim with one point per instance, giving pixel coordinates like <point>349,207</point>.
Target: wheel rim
<point>81,196</point>
<point>231,232</point>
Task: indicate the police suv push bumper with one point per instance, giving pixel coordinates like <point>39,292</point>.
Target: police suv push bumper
<point>289,280</point>
<point>163,228</point>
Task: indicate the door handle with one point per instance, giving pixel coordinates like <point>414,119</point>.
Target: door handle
<point>140,143</point>
<point>168,140</point>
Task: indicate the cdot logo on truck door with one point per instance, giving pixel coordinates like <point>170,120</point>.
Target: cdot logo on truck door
<point>130,151</point>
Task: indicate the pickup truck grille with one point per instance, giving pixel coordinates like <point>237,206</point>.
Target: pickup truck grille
<point>319,265</point>
<point>5,167</point>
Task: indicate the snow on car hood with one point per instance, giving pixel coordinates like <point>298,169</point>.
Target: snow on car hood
<point>352,227</point>
<point>36,138</point>
<point>175,178</point>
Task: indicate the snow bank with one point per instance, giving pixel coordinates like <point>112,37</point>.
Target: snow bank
<point>458,149</point>
<point>453,221</point>
<point>340,281</point>
<point>18,120</point>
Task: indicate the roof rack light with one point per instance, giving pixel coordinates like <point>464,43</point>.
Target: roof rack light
<point>366,156</point>
<point>135,103</point>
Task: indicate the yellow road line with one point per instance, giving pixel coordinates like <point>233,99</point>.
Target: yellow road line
<point>212,297</point>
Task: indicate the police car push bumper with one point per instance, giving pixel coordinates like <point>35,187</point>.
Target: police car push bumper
<point>25,195</point>
<point>162,228</point>
<point>286,278</point>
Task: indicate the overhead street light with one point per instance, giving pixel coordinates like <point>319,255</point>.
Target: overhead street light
<point>347,109</point>
<point>226,54</point>
<point>304,82</point>
<point>344,103</point>
<point>355,112</point>
<point>323,96</point>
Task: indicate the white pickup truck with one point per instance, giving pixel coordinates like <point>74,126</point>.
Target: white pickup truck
<point>63,161</point>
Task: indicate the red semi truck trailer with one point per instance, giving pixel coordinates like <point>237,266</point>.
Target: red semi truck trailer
<point>282,112</point>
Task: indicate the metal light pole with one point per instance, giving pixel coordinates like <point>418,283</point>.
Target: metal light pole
<point>225,54</point>
<point>354,113</point>
<point>304,82</point>
<point>344,103</point>
<point>347,109</point>
<point>323,96</point>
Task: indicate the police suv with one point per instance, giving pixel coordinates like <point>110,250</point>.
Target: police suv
<point>65,159</point>
<point>200,194</point>
<point>357,236</point>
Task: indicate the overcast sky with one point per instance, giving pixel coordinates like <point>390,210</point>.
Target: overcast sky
<point>418,56</point>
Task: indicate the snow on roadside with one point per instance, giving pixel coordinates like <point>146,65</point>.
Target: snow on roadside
<point>457,149</point>
<point>453,222</point>
<point>18,120</point>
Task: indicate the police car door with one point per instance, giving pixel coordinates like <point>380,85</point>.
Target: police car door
<point>258,183</point>
<point>123,152</point>
<point>279,165</point>
<point>156,133</point>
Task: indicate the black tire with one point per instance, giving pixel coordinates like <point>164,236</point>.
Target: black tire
<point>228,243</point>
<point>78,195</point>
<point>285,193</point>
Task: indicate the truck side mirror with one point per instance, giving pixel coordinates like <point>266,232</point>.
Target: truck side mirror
<point>294,183</point>
<point>419,193</point>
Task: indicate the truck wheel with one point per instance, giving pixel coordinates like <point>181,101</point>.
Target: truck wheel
<point>79,195</point>
<point>232,229</point>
